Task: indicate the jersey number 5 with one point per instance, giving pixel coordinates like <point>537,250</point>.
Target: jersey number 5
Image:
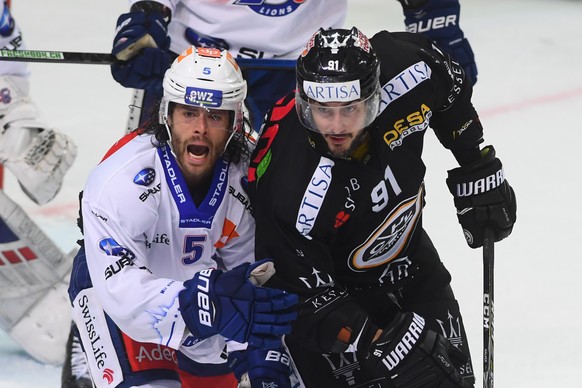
<point>194,247</point>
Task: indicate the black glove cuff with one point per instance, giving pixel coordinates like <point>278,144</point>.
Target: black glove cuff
<point>477,178</point>
<point>408,5</point>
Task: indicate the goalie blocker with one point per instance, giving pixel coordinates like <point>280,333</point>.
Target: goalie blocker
<point>34,307</point>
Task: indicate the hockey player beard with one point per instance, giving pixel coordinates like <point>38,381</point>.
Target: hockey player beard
<point>343,145</point>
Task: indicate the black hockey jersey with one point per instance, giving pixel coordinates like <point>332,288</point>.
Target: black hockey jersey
<point>333,225</point>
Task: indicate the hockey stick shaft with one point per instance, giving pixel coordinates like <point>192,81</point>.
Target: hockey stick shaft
<point>107,59</point>
<point>56,57</point>
<point>488,310</point>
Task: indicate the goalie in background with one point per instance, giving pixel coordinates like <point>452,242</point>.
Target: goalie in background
<point>34,308</point>
<point>37,155</point>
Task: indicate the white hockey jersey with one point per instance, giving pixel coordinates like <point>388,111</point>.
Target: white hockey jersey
<point>144,237</point>
<point>251,28</point>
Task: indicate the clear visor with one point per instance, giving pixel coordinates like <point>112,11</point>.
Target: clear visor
<point>337,117</point>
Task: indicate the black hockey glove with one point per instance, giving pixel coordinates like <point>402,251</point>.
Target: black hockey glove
<point>439,20</point>
<point>411,356</point>
<point>483,198</point>
<point>141,45</point>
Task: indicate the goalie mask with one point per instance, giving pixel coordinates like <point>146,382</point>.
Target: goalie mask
<point>338,78</point>
<point>207,78</point>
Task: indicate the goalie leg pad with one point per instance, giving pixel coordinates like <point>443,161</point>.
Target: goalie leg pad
<point>42,331</point>
<point>34,272</point>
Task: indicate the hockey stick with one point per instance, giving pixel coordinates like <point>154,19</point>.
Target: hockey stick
<point>56,57</point>
<point>107,59</point>
<point>488,261</point>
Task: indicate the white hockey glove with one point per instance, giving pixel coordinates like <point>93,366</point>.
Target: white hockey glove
<point>38,156</point>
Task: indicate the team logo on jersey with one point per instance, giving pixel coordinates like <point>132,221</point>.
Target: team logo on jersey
<point>417,121</point>
<point>145,177</point>
<point>272,8</point>
<point>207,98</point>
<point>390,238</point>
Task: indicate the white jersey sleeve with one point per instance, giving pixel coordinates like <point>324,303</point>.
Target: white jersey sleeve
<point>144,237</point>
<point>260,29</point>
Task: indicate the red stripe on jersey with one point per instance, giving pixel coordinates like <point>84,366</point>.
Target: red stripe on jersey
<point>222,381</point>
<point>12,257</point>
<point>121,142</point>
<point>27,253</point>
<point>268,137</point>
<point>280,110</point>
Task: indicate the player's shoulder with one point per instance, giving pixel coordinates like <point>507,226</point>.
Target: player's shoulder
<point>238,178</point>
<point>408,60</point>
<point>127,171</point>
<point>277,129</point>
<point>400,39</point>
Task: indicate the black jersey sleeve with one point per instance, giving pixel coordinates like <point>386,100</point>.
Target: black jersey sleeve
<point>455,121</point>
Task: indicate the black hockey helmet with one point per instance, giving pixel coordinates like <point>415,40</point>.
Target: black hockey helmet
<point>337,65</point>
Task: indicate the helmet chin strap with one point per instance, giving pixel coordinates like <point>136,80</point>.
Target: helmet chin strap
<point>227,142</point>
<point>169,131</point>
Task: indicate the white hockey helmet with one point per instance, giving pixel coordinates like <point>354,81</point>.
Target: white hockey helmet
<point>208,78</point>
